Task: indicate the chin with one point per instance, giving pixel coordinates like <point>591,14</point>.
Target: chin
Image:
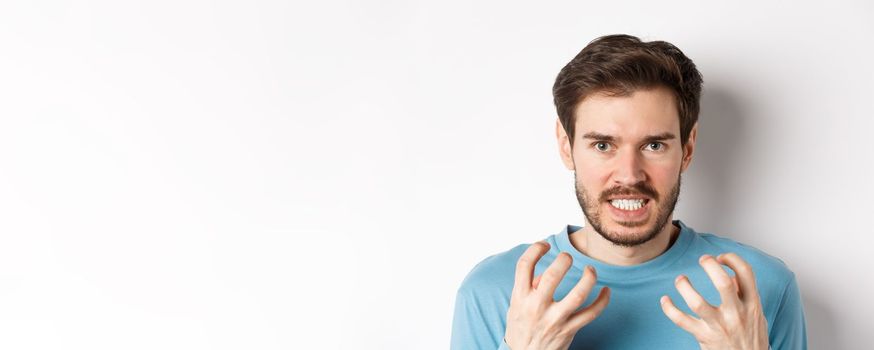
<point>627,235</point>
<point>630,234</point>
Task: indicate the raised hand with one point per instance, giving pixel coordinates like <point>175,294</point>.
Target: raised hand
<point>738,323</point>
<point>534,319</point>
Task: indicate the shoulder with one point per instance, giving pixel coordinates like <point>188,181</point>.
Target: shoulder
<point>761,261</point>
<point>493,275</point>
<point>773,275</point>
<point>482,301</point>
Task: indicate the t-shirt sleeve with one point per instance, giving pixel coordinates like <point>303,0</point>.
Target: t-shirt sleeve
<point>789,331</point>
<point>474,326</point>
<point>481,303</point>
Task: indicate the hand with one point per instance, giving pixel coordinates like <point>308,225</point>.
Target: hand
<point>738,323</point>
<point>534,319</point>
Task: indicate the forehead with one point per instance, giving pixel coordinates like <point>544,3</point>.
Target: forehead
<point>640,114</point>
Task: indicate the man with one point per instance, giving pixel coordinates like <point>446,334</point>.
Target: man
<point>627,124</point>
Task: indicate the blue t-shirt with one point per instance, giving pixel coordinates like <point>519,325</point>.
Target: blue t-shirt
<point>633,318</point>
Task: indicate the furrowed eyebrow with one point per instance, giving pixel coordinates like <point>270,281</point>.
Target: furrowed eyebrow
<point>660,137</point>
<point>599,137</point>
<point>603,137</point>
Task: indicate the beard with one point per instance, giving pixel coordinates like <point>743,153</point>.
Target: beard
<point>592,209</point>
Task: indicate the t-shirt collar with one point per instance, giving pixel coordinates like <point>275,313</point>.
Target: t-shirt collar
<point>609,272</point>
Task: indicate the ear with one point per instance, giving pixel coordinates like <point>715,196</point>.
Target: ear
<point>564,146</point>
<point>689,148</point>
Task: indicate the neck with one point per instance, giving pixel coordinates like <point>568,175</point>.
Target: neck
<point>596,247</point>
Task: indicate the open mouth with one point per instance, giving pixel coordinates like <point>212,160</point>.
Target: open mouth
<point>629,204</point>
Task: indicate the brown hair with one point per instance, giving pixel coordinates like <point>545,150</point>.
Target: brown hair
<point>620,64</point>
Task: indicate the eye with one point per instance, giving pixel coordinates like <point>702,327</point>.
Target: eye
<point>658,146</point>
<point>601,146</point>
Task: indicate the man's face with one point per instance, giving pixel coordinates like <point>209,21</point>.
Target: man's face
<point>627,160</point>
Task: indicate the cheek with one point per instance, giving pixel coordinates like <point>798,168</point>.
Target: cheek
<point>593,179</point>
<point>592,171</point>
<point>664,177</point>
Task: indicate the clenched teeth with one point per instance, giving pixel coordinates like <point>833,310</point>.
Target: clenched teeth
<point>627,204</point>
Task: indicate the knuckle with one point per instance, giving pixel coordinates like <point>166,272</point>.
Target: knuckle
<point>588,316</point>
<point>597,309</point>
<point>552,274</point>
<point>680,321</point>
<point>561,261</point>
<point>746,269</point>
<point>577,295</point>
<point>523,262</point>
<point>532,310</point>
<point>554,319</point>
<point>697,305</point>
<point>574,298</point>
<point>564,333</point>
<point>677,316</point>
<point>754,311</point>
<point>555,329</point>
<point>589,277</point>
<point>742,264</point>
<point>723,283</point>
<point>733,256</point>
<point>732,319</point>
<point>728,328</point>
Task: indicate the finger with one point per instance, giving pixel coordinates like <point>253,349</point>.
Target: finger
<point>525,267</point>
<point>553,276</point>
<point>578,294</point>
<point>585,316</point>
<point>745,276</point>
<point>535,282</point>
<point>686,322</point>
<point>722,281</point>
<point>697,303</point>
<point>737,286</point>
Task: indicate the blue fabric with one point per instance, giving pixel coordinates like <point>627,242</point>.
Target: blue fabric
<point>633,319</point>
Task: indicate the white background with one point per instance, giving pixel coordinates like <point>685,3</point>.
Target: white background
<point>322,175</point>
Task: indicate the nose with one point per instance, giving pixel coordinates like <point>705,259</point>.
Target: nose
<point>629,169</point>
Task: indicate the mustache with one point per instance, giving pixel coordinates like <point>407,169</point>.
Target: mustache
<point>640,189</point>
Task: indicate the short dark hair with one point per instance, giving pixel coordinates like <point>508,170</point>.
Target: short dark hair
<point>620,64</point>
